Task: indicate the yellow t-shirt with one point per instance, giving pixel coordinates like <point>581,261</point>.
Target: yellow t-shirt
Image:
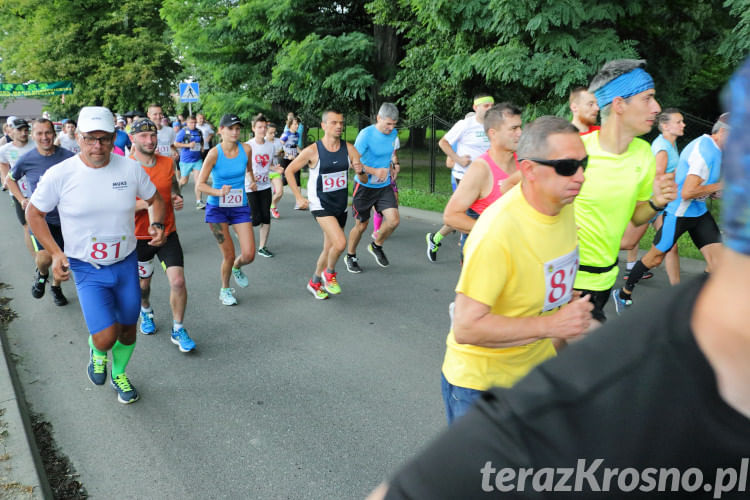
<point>605,205</point>
<point>521,263</point>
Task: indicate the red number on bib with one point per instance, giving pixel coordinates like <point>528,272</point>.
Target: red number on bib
<point>558,286</point>
<point>99,250</point>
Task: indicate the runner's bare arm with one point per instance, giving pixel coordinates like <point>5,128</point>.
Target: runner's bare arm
<point>507,184</point>
<point>157,212</point>
<point>692,188</point>
<point>38,226</point>
<point>356,162</point>
<point>448,150</point>
<point>205,173</point>
<point>16,191</point>
<point>468,191</point>
<point>309,157</point>
<point>662,158</point>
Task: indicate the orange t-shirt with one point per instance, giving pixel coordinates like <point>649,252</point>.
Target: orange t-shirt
<point>161,175</point>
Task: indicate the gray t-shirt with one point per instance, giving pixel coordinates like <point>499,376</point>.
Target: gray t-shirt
<point>207,132</point>
<point>165,138</point>
<point>33,165</point>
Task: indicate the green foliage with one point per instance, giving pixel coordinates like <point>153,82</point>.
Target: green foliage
<point>119,57</point>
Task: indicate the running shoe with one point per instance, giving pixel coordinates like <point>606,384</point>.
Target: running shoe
<point>147,322</point>
<point>275,213</point>
<point>227,296</point>
<point>239,278</point>
<point>183,340</point>
<point>620,304</point>
<point>379,255</point>
<point>97,369</point>
<point>432,247</point>
<point>126,393</point>
<point>200,205</point>
<point>40,283</point>
<point>646,275</point>
<point>352,264</point>
<point>297,207</point>
<point>330,283</point>
<point>317,290</point>
<point>263,251</point>
<point>57,294</point>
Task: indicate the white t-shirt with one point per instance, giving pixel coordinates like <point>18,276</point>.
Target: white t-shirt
<point>206,130</point>
<point>278,146</point>
<point>262,157</point>
<point>96,206</point>
<point>10,153</point>
<point>165,137</point>
<point>468,138</point>
<point>69,143</point>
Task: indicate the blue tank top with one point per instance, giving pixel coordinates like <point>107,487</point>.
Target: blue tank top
<point>327,187</point>
<point>229,171</point>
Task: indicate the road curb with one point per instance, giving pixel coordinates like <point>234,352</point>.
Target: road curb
<point>21,470</point>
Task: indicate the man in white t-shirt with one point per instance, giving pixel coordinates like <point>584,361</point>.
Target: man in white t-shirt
<point>206,130</point>
<point>165,136</point>
<point>95,194</point>
<point>9,155</point>
<point>67,137</point>
<point>470,140</point>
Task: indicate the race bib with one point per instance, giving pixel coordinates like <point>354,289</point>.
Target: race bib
<point>163,149</point>
<point>146,269</point>
<point>334,181</point>
<point>559,275</point>
<point>262,178</point>
<point>23,185</point>
<point>107,249</point>
<point>233,198</point>
<point>196,146</point>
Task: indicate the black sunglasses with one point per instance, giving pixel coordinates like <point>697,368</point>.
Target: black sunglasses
<point>565,167</point>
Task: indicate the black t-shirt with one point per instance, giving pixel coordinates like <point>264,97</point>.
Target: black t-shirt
<point>638,393</point>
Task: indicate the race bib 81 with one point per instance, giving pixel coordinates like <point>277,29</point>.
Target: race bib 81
<point>559,275</point>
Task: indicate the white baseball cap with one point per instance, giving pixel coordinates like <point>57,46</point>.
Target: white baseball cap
<point>93,118</point>
<point>10,120</point>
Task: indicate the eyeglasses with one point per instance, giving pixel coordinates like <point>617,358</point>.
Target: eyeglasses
<point>565,167</point>
<point>104,140</point>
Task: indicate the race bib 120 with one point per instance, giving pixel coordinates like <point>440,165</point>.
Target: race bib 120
<point>233,198</point>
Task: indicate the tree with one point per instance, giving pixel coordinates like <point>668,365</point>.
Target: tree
<point>120,57</point>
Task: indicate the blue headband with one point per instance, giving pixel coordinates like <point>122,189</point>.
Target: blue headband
<point>626,85</point>
<point>735,206</point>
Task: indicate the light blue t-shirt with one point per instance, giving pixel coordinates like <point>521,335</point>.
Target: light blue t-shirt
<point>375,149</point>
<point>702,157</point>
<point>673,156</point>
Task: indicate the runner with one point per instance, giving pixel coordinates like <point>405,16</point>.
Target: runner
<point>260,197</point>
<point>376,145</point>
<point>329,160</point>
<point>697,178</point>
<point>514,301</point>
<point>207,132</point>
<point>377,217</point>
<point>9,154</point>
<point>95,193</point>
<point>161,172</point>
<point>67,139</point>
<point>470,140</point>
<point>653,401</point>
<point>165,135</point>
<point>31,166</point>
<point>585,110</point>
<point>620,184</point>
<point>189,142</point>
<point>671,125</point>
<point>227,164</point>
<point>277,177</point>
<point>494,174</point>
<point>291,139</point>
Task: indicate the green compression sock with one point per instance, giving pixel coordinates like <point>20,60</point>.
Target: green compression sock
<point>120,356</point>
<point>437,238</point>
<point>97,352</point>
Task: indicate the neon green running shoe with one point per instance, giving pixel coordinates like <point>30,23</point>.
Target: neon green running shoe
<point>330,283</point>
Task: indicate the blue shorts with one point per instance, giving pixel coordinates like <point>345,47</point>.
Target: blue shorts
<point>108,295</point>
<point>229,215</point>
<point>187,167</point>
<point>454,182</point>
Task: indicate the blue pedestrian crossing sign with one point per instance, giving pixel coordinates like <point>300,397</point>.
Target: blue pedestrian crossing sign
<point>189,92</point>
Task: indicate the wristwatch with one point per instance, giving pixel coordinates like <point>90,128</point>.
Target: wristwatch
<point>158,225</point>
<point>655,207</point>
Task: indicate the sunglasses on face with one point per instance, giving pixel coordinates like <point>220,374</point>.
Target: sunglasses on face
<point>565,167</point>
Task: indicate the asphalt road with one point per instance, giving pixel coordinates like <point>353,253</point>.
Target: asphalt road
<point>284,397</point>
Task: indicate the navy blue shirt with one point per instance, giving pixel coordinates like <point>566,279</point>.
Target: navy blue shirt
<point>190,155</point>
<point>33,165</point>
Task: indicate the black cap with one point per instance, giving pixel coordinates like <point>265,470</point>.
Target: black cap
<point>228,120</point>
<point>20,123</point>
<point>143,125</point>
